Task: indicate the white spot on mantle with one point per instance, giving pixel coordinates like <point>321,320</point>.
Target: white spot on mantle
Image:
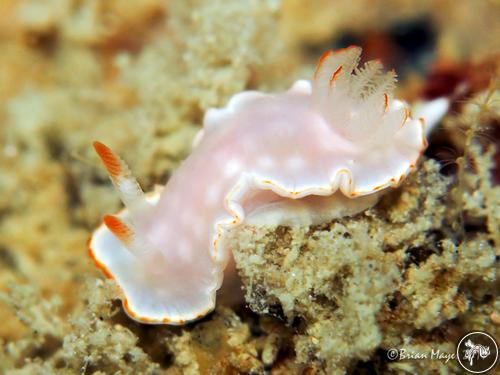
<point>184,250</point>
<point>265,161</point>
<point>232,167</point>
<point>212,194</point>
<point>295,162</point>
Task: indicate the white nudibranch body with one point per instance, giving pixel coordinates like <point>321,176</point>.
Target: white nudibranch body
<point>319,151</point>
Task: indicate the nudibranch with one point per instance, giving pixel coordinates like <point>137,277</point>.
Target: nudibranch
<point>321,150</point>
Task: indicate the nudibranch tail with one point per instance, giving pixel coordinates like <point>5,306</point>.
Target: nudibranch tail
<point>125,183</point>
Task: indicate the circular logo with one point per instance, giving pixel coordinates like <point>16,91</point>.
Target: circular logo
<point>392,354</point>
<point>477,352</point>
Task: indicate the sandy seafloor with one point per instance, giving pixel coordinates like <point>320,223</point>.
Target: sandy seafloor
<point>417,271</point>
